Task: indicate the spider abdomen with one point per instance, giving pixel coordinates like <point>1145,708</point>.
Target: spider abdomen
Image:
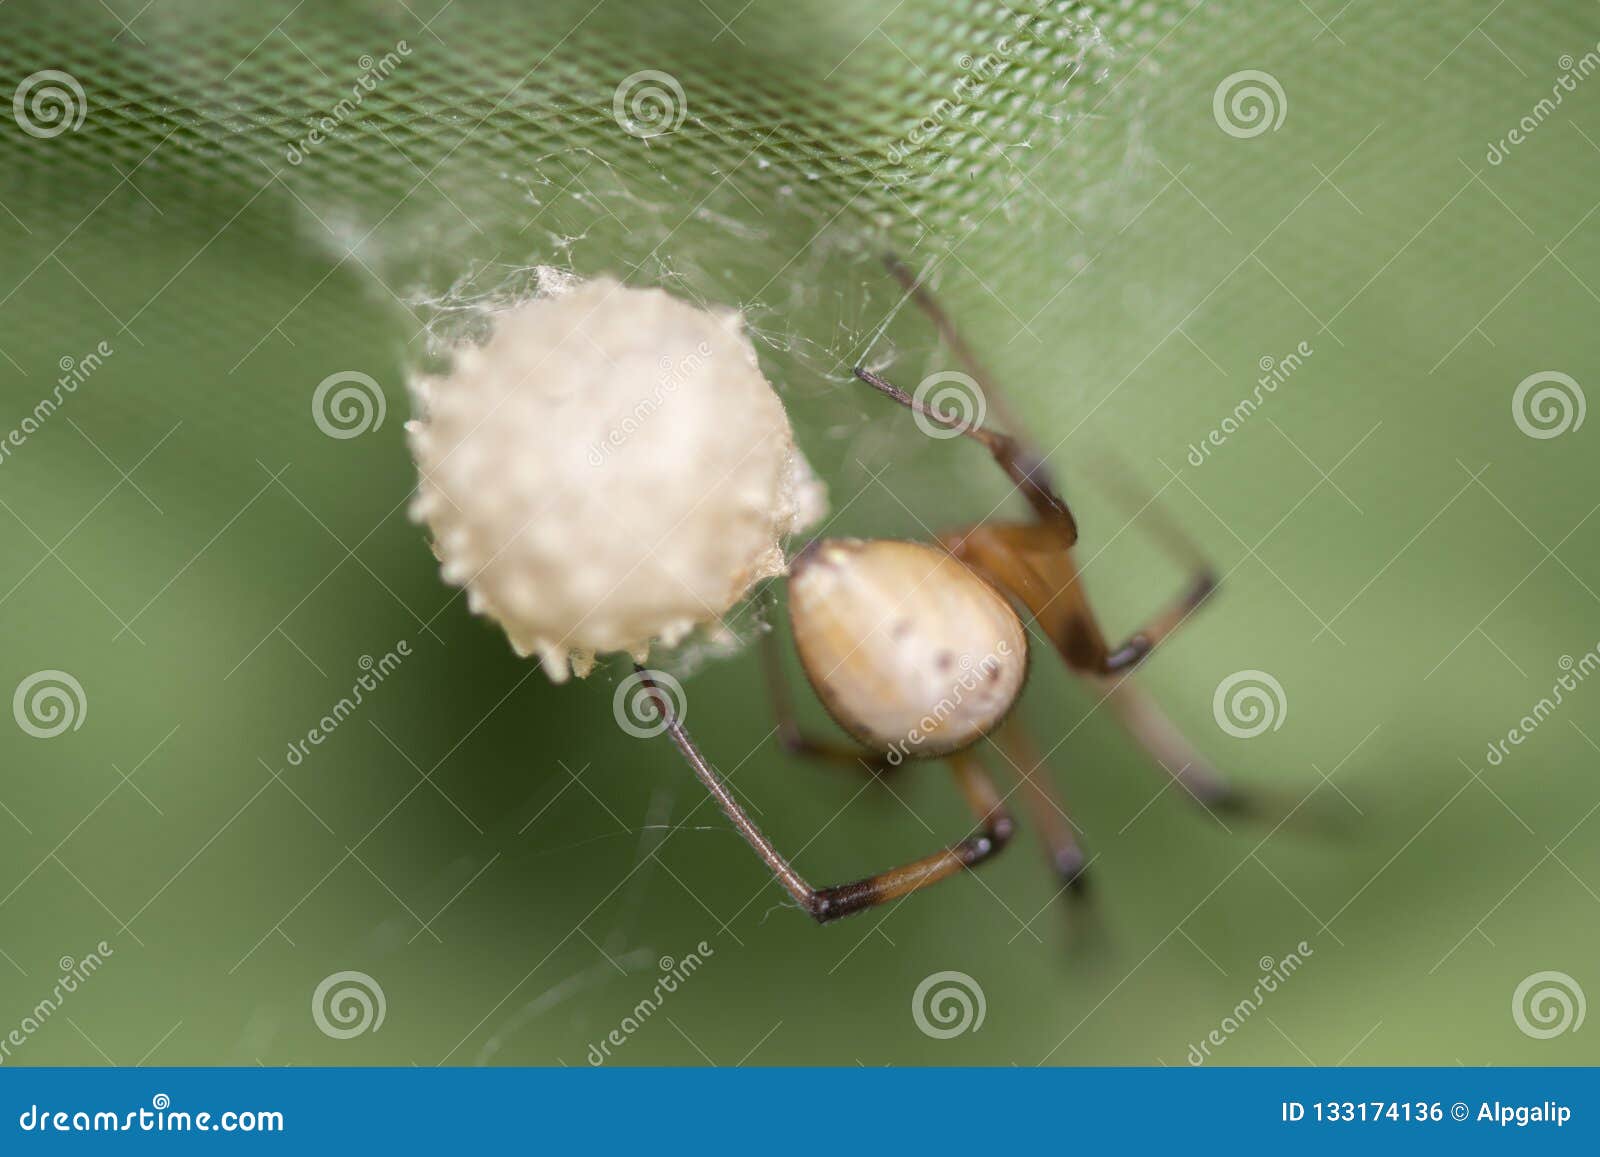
<point>910,651</point>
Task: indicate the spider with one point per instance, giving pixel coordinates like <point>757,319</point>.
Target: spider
<point>886,631</point>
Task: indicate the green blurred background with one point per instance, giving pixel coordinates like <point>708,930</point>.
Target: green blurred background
<point>494,852</point>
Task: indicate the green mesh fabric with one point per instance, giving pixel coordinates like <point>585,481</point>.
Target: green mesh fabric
<point>211,568</point>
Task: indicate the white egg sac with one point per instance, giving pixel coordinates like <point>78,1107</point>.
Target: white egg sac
<point>611,469</point>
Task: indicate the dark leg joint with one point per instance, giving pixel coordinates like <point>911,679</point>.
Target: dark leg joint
<point>1130,654</point>
<point>1071,865</point>
<point>1231,801</point>
<point>829,904</point>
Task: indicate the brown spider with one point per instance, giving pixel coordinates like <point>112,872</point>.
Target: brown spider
<point>886,632</point>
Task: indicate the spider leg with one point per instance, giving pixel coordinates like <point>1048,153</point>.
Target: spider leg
<point>1055,827</point>
<point>832,903</point>
<point>997,828</point>
<point>1025,467</point>
<point>1142,718</point>
<point>1033,563</point>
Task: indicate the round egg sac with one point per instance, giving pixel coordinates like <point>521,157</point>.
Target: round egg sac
<point>609,470</point>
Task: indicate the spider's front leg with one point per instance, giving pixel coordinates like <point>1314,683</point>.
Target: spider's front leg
<point>832,903</point>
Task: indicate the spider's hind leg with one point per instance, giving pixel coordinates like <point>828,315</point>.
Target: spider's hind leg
<point>1056,829</point>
